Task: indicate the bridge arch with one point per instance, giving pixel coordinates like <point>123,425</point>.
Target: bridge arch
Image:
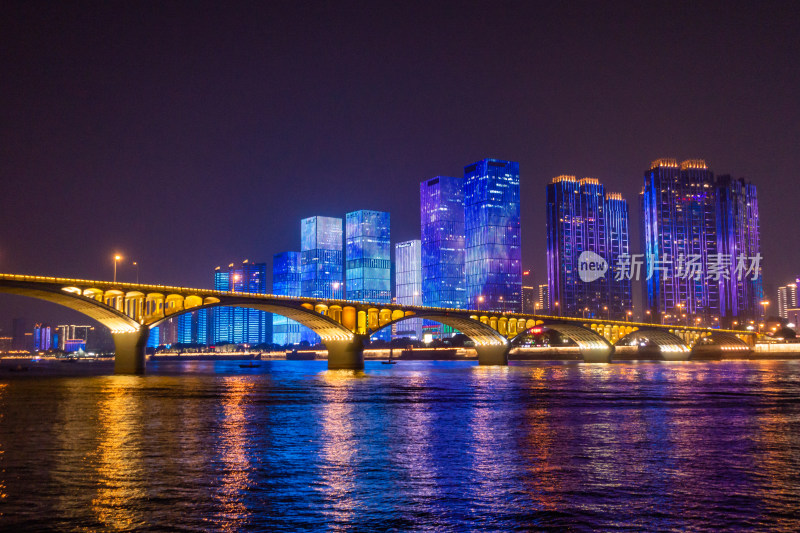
<point>593,347</point>
<point>719,343</point>
<point>670,347</point>
<point>492,347</point>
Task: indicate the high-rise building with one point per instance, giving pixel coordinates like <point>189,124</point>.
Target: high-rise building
<point>738,236</point>
<point>368,271</point>
<point>529,300</point>
<point>442,229</point>
<point>787,299</point>
<point>72,338</point>
<point>679,225</point>
<point>321,257</point>
<point>193,327</point>
<point>241,325</point>
<point>696,232</point>
<point>168,332</point>
<point>286,282</point>
<point>492,238</point>
<point>22,335</point>
<point>408,285</point>
<point>441,201</point>
<point>620,290</point>
<point>321,262</point>
<point>584,223</point>
<point>154,338</point>
<point>44,338</point>
<point>543,302</point>
<point>221,317</point>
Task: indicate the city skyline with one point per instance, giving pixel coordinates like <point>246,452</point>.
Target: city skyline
<point>114,142</point>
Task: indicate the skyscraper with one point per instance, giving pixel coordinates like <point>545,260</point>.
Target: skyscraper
<point>321,257</point>
<point>441,201</point>
<point>544,299</point>
<point>320,262</point>
<point>286,282</point>
<point>193,327</point>
<point>368,256</point>
<point>583,222</point>
<point>408,285</point>
<point>738,236</point>
<point>240,325</point>
<point>529,300</point>
<point>787,299</point>
<point>695,231</point>
<point>442,223</point>
<point>492,235</point>
<point>679,223</point>
<point>620,291</point>
<point>221,331</point>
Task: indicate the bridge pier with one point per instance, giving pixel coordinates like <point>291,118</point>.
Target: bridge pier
<point>597,355</point>
<point>493,354</point>
<point>346,355</point>
<point>129,351</point>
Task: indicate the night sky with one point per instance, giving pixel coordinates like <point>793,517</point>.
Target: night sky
<point>190,135</point>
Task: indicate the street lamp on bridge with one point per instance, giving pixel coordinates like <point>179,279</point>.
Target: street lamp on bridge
<point>117,259</point>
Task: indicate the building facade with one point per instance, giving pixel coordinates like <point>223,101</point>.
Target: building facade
<point>442,240</point>
<point>492,238</point>
<point>321,262</point>
<point>368,256</point>
<point>620,287</point>
<point>679,223</point>
<point>543,302</point>
<point>286,282</point>
<point>240,325</point>
<point>787,299</point>
<point>529,300</point>
<point>408,285</point>
<point>193,327</point>
<point>697,231</point>
<point>738,236</point>
<point>586,225</point>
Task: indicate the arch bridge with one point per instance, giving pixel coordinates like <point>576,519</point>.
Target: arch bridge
<point>131,310</point>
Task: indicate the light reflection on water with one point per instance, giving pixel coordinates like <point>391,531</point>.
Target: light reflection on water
<point>419,445</point>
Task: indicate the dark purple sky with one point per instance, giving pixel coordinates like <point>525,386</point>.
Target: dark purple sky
<point>189,135</point>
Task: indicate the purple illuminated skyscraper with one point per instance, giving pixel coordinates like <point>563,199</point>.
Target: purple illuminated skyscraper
<point>692,227</point>
<point>583,221</point>
<point>738,236</point>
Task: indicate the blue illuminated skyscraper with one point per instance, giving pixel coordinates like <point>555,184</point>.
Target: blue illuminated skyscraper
<point>286,282</point>
<point>221,331</point>
<point>368,269</point>
<point>679,225</point>
<point>321,257</point>
<point>583,219</point>
<point>408,285</point>
<point>193,327</point>
<point>240,325</point>
<point>153,339</point>
<point>492,235</point>
<point>321,261</point>
<point>442,222</point>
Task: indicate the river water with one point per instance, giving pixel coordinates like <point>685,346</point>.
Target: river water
<point>446,446</point>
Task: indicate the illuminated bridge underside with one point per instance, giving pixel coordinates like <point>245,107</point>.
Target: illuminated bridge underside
<point>491,346</point>
<point>130,310</point>
<point>671,347</point>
